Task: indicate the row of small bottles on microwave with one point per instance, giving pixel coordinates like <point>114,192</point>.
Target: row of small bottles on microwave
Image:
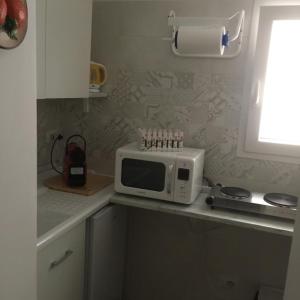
<point>152,139</point>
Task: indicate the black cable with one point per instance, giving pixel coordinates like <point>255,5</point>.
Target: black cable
<point>58,138</point>
<point>209,181</point>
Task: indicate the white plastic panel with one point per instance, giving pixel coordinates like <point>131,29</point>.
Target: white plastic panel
<point>107,254</point>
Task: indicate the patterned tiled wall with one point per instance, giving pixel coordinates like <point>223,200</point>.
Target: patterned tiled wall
<point>49,117</point>
<point>148,86</point>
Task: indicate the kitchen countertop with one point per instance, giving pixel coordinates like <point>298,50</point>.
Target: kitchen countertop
<point>58,212</point>
<point>200,210</point>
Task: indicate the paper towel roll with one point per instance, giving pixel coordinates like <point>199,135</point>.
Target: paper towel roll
<point>200,40</point>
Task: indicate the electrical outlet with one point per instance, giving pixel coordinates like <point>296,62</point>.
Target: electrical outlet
<point>51,135</point>
<point>228,282</point>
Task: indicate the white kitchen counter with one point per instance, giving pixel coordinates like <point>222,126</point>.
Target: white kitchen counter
<point>200,210</point>
<point>59,212</point>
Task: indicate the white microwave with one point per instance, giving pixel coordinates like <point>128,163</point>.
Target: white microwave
<point>169,176</point>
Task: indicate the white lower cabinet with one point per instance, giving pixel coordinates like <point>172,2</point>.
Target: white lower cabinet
<point>106,253</point>
<point>61,267</point>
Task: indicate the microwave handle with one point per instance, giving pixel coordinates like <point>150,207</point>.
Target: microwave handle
<point>169,178</point>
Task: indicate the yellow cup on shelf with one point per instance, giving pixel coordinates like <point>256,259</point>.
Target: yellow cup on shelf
<point>98,75</point>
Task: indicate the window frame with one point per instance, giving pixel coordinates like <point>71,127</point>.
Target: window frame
<point>248,144</point>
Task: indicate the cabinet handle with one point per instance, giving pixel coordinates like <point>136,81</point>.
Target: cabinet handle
<point>60,260</point>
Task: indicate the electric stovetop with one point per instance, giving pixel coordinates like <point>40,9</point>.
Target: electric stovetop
<point>271,204</point>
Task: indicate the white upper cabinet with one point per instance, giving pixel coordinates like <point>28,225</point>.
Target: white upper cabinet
<point>63,48</point>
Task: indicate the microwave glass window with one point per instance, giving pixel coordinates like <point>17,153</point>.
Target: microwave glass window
<point>142,174</point>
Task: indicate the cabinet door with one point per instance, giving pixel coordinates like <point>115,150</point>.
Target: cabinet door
<point>68,47</point>
<point>61,267</point>
<point>41,48</point>
<point>106,254</point>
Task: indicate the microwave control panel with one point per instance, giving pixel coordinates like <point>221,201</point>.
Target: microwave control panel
<point>183,176</point>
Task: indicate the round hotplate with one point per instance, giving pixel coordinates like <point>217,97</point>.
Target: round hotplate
<point>279,199</point>
<point>235,192</point>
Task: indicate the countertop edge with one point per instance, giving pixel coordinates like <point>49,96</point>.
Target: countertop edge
<point>239,220</point>
<point>108,195</point>
<point>56,232</point>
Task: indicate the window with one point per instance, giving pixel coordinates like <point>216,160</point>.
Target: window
<point>273,125</point>
<point>281,98</point>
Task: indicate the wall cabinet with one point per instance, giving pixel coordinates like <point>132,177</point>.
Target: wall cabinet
<point>63,48</point>
<point>61,267</point>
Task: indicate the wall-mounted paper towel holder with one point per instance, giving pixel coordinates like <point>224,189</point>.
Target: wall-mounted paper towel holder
<point>231,39</point>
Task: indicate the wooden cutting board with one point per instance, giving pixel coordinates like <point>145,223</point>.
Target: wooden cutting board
<point>94,184</point>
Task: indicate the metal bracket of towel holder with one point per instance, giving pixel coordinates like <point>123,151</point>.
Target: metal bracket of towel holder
<point>234,37</point>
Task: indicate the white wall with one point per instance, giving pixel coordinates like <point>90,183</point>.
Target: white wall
<point>175,258</point>
<point>18,169</point>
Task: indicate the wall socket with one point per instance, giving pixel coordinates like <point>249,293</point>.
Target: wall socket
<point>51,135</point>
<point>228,282</point>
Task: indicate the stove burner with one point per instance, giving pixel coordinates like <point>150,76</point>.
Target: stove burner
<point>235,192</point>
<point>282,200</point>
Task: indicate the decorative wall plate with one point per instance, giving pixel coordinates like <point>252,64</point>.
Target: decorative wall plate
<point>13,31</point>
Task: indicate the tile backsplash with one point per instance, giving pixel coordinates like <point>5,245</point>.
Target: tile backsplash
<point>150,87</point>
<point>49,117</point>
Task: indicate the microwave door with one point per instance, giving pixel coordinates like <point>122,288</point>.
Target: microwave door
<point>169,179</point>
<point>147,178</point>
<point>142,174</point>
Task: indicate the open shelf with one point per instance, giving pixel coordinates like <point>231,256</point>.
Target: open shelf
<point>98,95</point>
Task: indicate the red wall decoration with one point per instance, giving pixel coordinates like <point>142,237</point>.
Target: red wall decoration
<point>13,22</point>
